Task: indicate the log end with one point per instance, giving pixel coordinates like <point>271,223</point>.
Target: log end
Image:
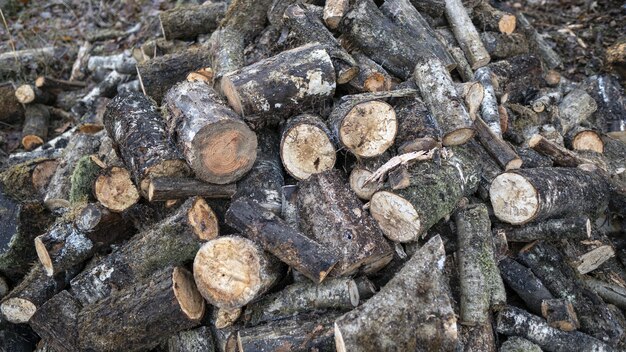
<point>25,94</point>
<point>203,220</point>
<point>306,150</point>
<point>224,152</point>
<point>18,310</point>
<point>514,199</point>
<point>507,24</point>
<point>186,292</point>
<point>357,180</point>
<point>353,290</point>
<point>369,128</point>
<point>588,140</point>
<point>115,190</point>
<point>44,256</point>
<point>458,137</point>
<point>31,142</point>
<point>229,90</point>
<point>396,216</point>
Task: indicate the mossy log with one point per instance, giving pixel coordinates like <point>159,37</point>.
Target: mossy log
<point>333,216</point>
<point>406,214</point>
<point>573,228</point>
<point>137,317</point>
<point>527,286</point>
<point>166,188</point>
<point>56,322</point>
<point>217,144</point>
<point>83,179</point>
<point>187,22</point>
<point>428,321</point>
<point>172,241</point>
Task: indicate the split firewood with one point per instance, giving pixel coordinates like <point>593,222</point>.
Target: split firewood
<point>28,94</point>
<point>166,302</point>
<point>580,138</point>
<point>289,245</point>
<point>574,228</point>
<point>575,108</point>
<point>430,322</point>
<point>115,189</point>
<point>331,214</point>
<point>11,110</point>
<point>463,68</point>
<point>399,160</point>
<point>217,144</point>
<point>299,78</point>
<point>336,294</point>
<point>560,314</point>
<point>527,286</point>
<point>466,34</point>
<point>517,322</point>
<point>35,129</point>
<point>187,22</point>
<point>198,339</point>
<point>56,322</point>
<point>371,77</point>
<point>538,44</point>
<point>489,18</point>
<point>406,214</point>
<point>138,131</point>
<point>231,271</point>
<point>307,146</point>
<point>166,188</point>
<point>172,241</point>
<point>518,344</point>
<point>524,195</point>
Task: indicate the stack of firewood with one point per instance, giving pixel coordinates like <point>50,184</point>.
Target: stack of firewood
<point>318,176</point>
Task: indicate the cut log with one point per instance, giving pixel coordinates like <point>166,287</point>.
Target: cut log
<point>608,93</point>
<point>538,44</point>
<point>488,18</point>
<point>417,127</point>
<point>362,172</point>
<point>28,94</point>
<point>580,138</point>
<point>54,85</point>
<point>135,318</point>
<point>559,155</point>
<point>275,236</point>
<point>231,271</point>
<point>26,63</point>
<point>115,190</point>
<point>56,322</point>
<point>82,180</point>
<point>10,108</point>
<point>518,344</point>
<point>560,314</point>
<point>35,128</point>
<point>574,228</point>
<point>227,47</point>
<point>509,78</point>
<point>17,337</point>
<point>405,215</point>
<point>158,75</point>
<point>593,259</point>
<point>435,85</point>
<point>248,16</point>
<point>187,22</point>
<point>222,318</point>
<point>527,286</point>
<point>307,146</point>
<point>525,195</point>
<point>331,214</point>
<point>466,34</point>
<point>217,144</point>
<point>138,131</point>
<point>610,292</point>
<point>500,150</point>
<point>334,10</point>
<point>278,87</point>
<point>166,188</point>
<point>101,225</point>
<point>502,46</point>
<point>489,106</point>
<point>576,107</point>
<point>172,241</point>
<point>198,339</point>
<point>371,77</point>
<point>547,100</point>
<point>34,290</point>
<point>336,294</point>
<point>429,321</point>
<point>479,338</point>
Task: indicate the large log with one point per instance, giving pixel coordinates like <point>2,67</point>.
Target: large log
<point>138,131</point>
<point>217,144</point>
<point>135,318</point>
<point>187,22</point>
<point>56,322</point>
<point>331,214</point>
<point>428,321</point>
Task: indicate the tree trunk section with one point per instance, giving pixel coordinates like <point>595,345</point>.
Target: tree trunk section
<point>227,46</point>
<point>10,108</point>
<point>417,127</point>
<point>166,188</point>
<point>466,34</point>
<point>371,77</point>
<point>56,322</point>
<point>187,22</point>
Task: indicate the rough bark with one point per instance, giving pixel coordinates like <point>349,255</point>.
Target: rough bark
<point>29,94</point>
<point>135,318</point>
<point>428,321</point>
<point>371,77</point>
<point>488,18</point>
<point>331,214</point>
<point>166,188</point>
<point>198,339</point>
<point>527,286</point>
<point>56,322</point>
<point>187,22</point>
<point>122,63</point>
<point>406,214</point>
<point>101,225</point>
<point>334,10</point>
<point>417,127</point>
<point>502,46</point>
<point>611,293</point>
<point>227,46</point>
<point>515,75</point>
<point>217,144</point>
<point>35,128</point>
<point>466,34</point>
<point>17,338</point>
<point>10,108</point>
<point>518,344</point>
<point>609,96</point>
<point>489,106</point>
<point>86,108</point>
<point>559,313</point>
<point>580,138</point>
<point>248,16</point>
<point>362,172</point>
<point>573,228</point>
<point>559,155</point>
<point>115,190</point>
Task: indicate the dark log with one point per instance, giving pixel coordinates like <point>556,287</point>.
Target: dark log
<point>217,144</point>
<point>56,322</point>
<point>289,206</point>
<point>428,320</point>
<point>82,180</point>
<point>247,16</point>
<point>406,214</point>
<point>55,85</point>
<point>277,237</point>
<point>560,314</point>
<point>500,150</point>
<point>435,85</point>
<point>135,318</point>
<point>509,78</point>
<point>166,188</point>
<point>580,138</point>
<point>608,93</point>
<point>362,172</point>
<point>279,86</point>
<point>122,63</point>
<point>371,77</point>
<point>547,100</point>
<point>463,68</point>
<point>231,271</point>
<point>4,287</point>
<point>331,214</point>
<point>575,228</point>
<point>86,108</point>
<point>502,46</point>
<point>479,338</point>
<point>307,146</point>
<point>35,128</point>
<point>101,225</point>
<point>28,94</point>
<point>524,195</point>
<point>527,286</point>
<point>17,337</point>
<point>610,292</point>
<point>576,107</point>
<point>538,44</point>
<point>10,107</point>
<point>158,75</point>
<point>115,190</point>
<point>198,339</point>
<point>138,131</point>
<point>337,294</point>
<point>187,22</point>
<point>518,344</point>
<point>33,291</point>
<point>227,47</point>
<point>488,18</point>
<point>466,34</point>
<point>417,127</point>
<point>172,241</point>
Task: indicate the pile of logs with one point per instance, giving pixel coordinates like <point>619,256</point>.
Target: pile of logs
<point>299,175</point>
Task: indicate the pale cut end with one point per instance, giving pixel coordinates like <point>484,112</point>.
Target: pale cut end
<point>25,94</point>
<point>513,164</point>
<point>31,142</point>
<point>306,150</point>
<point>226,317</point>
<point>224,152</point>
<point>234,100</point>
<point>375,83</point>
<point>396,216</point>
<point>553,78</point>
<point>90,128</point>
<point>458,137</point>
<point>227,271</point>
<point>538,106</point>
<point>57,203</point>
<point>339,344</point>
<point>481,61</point>
<point>353,289</point>
<point>186,292</point>
<point>203,220</point>
<point>18,310</point>
<point>369,129</point>
<point>588,140</point>
<point>334,11</point>
<point>44,256</point>
<point>507,24</point>
<point>116,190</point>
<point>357,180</point>
<point>345,76</point>
<point>167,168</point>
<point>513,198</point>
<point>534,140</point>
<point>40,81</point>
<point>588,227</point>
<point>474,97</point>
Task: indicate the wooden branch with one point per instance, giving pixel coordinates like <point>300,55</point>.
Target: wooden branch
<point>466,34</point>
<point>580,138</point>
<point>35,129</point>
<point>576,107</point>
<point>418,130</point>
<point>371,77</point>
<point>559,155</point>
<point>500,150</point>
<point>10,108</point>
<point>187,22</point>
<point>226,46</point>
<point>334,10</point>
<point>166,188</point>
